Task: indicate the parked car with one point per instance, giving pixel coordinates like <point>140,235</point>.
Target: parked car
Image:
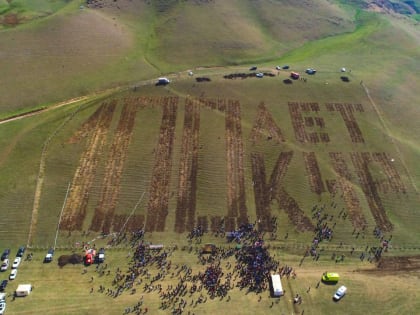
<point>253,68</point>
<point>259,75</point>
<point>310,71</point>
<point>21,251</point>
<point>340,293</point>
<point>49,257</point>
<point>3,285</point>
<point>278,68</point>
<point>4,265</point>
<point>88,259</point>
<point>285,67</point>
<point>5,254</point>
<point>163,81</point>
<point>100,258</point>
<point>16,262</point>
<point>330,277</point>
<point>2,307</point>
<point>13,274</point>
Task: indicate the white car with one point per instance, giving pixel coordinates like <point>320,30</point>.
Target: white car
<point>340,293</point>
<point>4,265</point>
<point>259,75</point>
<point>16,263</point>
<point>278,68</point>
<point>2,307</point>
<point>13,274</point>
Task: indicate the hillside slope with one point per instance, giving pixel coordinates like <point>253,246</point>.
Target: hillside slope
<point>107,43</point>
<point>73,53</point>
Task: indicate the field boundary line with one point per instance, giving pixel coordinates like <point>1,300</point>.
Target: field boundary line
<point>61,213</point>
<point>40,177</point>
<point>387,132</point>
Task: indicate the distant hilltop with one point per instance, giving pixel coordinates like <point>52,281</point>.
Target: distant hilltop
<point>406,7</point>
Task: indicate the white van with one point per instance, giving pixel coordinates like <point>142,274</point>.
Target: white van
<point>340,293</point>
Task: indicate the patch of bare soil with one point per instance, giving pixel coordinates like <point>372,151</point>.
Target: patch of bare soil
<point>400,263</point>
<point>361,164</point>
<point>265,120</point>
<point>346,111</point>
<point>314,174</point>
<point>86,127</point>
<point>69,259</point>
<point>10,19</point>
<point>298,122</point>
<point>187,180</point>
<point>132,223</point>
<point>216,104</point>
<point>97,127</point>
<point>157,207</point>
<point>394,182</point>
<point>235,162</point>
<point>265,193</point>
<point>262,200</point>
<point>104,211</point>
<point>349,195</point>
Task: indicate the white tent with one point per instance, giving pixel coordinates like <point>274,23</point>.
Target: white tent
<point>277,287</point>
<point>23,289</point>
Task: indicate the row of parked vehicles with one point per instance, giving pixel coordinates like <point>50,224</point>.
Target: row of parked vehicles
<point>6,262</point>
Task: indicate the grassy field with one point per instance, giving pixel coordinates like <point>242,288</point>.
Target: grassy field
<point>169,158</point>
<point>133,40</point>
<point>367,291</point>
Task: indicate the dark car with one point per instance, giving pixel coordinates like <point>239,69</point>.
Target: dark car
<point>3,285</point>
<point>49,257</point>
<point>285,67</point>
<point>21,251</point>
<point>310,71</point>
<point>5,254</point>
<point>100,258</point>
<point>253,68</point>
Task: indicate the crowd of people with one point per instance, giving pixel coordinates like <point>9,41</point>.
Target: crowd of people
<point>255,266</point>
<point>246,264</point>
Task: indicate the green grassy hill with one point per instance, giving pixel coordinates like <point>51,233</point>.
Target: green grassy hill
<point>134,40</point>
<point>119,153</point>
<point>78,50</point>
